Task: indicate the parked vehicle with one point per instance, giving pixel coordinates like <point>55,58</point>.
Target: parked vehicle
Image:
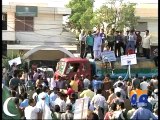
<point>71,66</point>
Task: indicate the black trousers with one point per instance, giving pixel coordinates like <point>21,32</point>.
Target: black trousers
<point>87,50</point>
<point>156,61</point>
<point>111,45</point>
<point>118,48</point>
<point>146,53</point>
<point>82,48</point>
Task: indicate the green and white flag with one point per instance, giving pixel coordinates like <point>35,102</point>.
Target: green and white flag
<point>9,108</point>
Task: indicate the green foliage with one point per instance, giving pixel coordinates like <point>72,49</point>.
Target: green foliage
<point>81,14</point>
<point>10,57</point>
<point>121,17</point>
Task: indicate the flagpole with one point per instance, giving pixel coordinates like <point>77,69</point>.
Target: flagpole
<point>129,71</point>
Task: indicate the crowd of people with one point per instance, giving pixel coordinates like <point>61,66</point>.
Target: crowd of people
<point>129,41</point>
<point>47,98</point>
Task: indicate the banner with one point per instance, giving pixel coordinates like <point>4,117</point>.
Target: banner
<point>108,56</point>
<point>15,60</point>
<point>128,59</point>
<point>81,108</point>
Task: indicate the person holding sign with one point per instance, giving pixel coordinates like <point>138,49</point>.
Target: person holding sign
<point>105,59</point>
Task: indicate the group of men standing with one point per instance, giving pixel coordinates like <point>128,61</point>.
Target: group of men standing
<point>95,42</point>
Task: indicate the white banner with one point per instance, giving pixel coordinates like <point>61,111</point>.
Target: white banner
<point>128,59</point>
<point>108,56</point>
<point>15,60</point>
<point>81,108</point>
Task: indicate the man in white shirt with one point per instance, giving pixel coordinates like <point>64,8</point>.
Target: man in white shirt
<point>119,81</point>
<point>99,101</point>
<point>52,83</point>
<point>146,44</point>
<point>82,39</point>
<point>144,85</point>
<point>119,89</point>
<point>97,45</point>
<point>31,111</point>
<point>41,104</point>
<point>44,89</point>
<point>60,101</point>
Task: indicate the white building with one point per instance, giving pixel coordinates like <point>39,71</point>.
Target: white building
<point>148,14</point>
<point>36,30</point>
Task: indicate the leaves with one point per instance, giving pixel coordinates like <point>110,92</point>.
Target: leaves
<point>81,14</point>
<point>83,17</point>
<point>10,57</point>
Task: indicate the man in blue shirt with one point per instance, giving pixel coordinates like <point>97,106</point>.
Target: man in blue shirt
<point>96,84</point>
<point>143,114</point>
<point>89,44</point>
<point>24,103</point>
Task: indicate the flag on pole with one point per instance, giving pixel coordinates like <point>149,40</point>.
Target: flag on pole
<point>9,108</point>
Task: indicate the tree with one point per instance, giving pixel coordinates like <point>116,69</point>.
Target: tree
<point>121,16</point>
<point>82,13</point>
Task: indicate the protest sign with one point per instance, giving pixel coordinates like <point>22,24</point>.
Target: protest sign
<point>128,59</point>
<point>81,108</point>
<point>108,56</point>
<point>15,60</point>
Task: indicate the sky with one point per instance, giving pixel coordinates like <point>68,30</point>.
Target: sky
<point>61,3</point>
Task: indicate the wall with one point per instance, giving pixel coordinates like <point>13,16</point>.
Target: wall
<point>45,55</point>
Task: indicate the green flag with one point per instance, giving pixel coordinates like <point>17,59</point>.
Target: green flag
<point>9,109</point>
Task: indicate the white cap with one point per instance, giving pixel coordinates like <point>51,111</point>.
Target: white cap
<point>120,77</point>
<point>156,91</point>
<point>43,95</point>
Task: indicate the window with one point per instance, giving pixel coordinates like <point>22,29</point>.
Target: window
<point>141,26</point>
<point>4,21</point>
<point>24,23</point>
<point>61,67</point>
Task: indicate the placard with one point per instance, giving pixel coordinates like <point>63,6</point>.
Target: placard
<point>108,56</point>
<point>128,59</point>
<point>15,60</point>
<point>81,108</point>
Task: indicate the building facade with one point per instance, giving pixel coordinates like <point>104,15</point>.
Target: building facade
<point>36,30</point>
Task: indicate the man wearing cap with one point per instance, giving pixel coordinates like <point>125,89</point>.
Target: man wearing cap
<point>119,80</point>
<point>44,108</point>
<point>144,85</point>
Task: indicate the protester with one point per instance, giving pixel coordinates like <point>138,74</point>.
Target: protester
<point>138,42</point>
<point>103,39</point>
<point>89,45</point>
<point>31,111</point>
<point>14,82</point>
<point>88,93</point>
<point>68,115</point>
<point>97,45</point>
<point>155,58</point>
<point>146,44</point>
<point>131,43</point>
<point>111,39</point>
<point>82,39</point>
<point>86,82</point>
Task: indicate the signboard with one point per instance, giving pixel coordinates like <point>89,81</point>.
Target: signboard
<point>81,108</point>
<point>26,11</point>
<point>108,56</point>
<point>128,59</point>
<point>15,60</point>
